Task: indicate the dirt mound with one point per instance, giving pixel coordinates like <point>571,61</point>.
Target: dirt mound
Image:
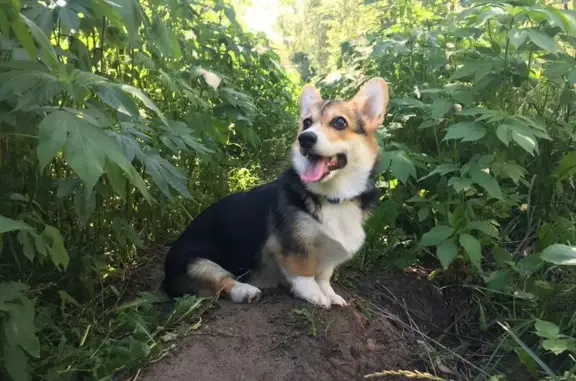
<point>281,338</point>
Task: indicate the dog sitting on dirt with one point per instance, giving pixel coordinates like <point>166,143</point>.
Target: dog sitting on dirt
<point>300,227</point>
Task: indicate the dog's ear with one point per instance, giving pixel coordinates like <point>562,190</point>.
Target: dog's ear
<point>372,100</point>
<point>310,96</point>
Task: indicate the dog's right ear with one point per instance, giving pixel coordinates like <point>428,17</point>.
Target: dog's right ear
<point>310,96</point>
<point>372,100</point>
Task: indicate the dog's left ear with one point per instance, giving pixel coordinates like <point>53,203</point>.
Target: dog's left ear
<point>372,100</point>
<point>310,96</point>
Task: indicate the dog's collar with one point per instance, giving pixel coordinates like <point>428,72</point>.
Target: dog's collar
<point>336,200</point>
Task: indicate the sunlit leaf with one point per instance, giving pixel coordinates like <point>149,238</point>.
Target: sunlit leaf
<point>543,41</point>
<point>559,254</point>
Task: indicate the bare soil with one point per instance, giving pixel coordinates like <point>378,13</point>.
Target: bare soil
<point>284,339</point>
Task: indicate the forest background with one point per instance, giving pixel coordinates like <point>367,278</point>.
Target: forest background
<point>120,120</point>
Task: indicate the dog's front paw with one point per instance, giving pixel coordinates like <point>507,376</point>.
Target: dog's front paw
<point>337,300</point>
<point>334,298</point>
<point>318,299</point>
<point>307,289</point>
<point>245,293</point>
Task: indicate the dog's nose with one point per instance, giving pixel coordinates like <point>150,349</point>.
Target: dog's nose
<point>307,139</point>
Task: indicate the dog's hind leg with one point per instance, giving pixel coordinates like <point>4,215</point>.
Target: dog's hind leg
<point>209,279</point>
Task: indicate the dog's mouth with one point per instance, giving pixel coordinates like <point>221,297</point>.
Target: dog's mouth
<point>319,167</point>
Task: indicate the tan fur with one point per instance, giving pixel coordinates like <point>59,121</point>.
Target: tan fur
<point>297,265</point>
<point>209,277</point>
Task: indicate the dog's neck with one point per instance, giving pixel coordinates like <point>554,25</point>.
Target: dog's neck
<point>342,189</point>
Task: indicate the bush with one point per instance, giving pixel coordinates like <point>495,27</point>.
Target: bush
<point>478,158</point>
<point>119,121</point>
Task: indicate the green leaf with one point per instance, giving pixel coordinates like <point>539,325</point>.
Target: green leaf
<point>556,346</point>
<point>400,164</point>
<point>466,131</point>
<point>165,40</point>
<point>118,100</point>
<point>498,280</point>
<point>469,68</point>
<point>57,250</point>
<point>19,327</point>
<point>559,254</point>
<point>84,151</point>
<point>427,124</point>
<point>442,169</point>
<point>485,227</point>
<point>23,35</point>
<point>489,183</point>
<point>16,362</point>
<point>115,178</point>
<point>436,235</point>
<point>528,265</point>
<point>69,19</point>
<point>423,214</point>
<point>473,249</point>
<point>42,40</point>
<point>8,225</point>
<point>27,245</point>
<point>546,329</point>
<point>440,107</point>
<point>165,175</point>
<point>446,252</point>
<point>543,41</point>
<point>84,204</point>
<point>502,256</point>
<point>525,140</point>
<point>52,134</point>
<point>517,37</point>
<point>567,166</point>
<point>509,170</point>
<point>144,99</point>
<point>460,184</point>
<point>504,133</point>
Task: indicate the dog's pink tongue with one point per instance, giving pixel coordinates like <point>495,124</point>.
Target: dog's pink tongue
<point>314,170</point>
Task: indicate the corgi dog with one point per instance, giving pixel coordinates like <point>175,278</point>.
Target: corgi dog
<point>299,228</point>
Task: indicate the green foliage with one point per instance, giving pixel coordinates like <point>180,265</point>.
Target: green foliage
<point>119,121</point>
<point>478,153</point>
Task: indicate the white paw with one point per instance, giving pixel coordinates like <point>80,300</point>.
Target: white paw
<point>337,300</point>
<point>334,298</point>
<point>306,288</point>
<point>245,293</point>
<point>319,299</point>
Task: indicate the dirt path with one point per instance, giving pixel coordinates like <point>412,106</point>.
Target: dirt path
<point>283,339</point>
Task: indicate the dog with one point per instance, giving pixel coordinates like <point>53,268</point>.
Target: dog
<point>300,227</point>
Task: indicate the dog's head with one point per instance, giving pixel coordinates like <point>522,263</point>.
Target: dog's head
<point>336,147</point>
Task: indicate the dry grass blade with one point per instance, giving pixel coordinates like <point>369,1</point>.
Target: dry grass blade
<point>405,373</point>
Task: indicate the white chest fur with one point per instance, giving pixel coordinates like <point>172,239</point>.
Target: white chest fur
<point>343,223</point>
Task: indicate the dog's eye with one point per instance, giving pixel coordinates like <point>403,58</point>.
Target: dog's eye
<point>306,123</point>
<point>339,123</point>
